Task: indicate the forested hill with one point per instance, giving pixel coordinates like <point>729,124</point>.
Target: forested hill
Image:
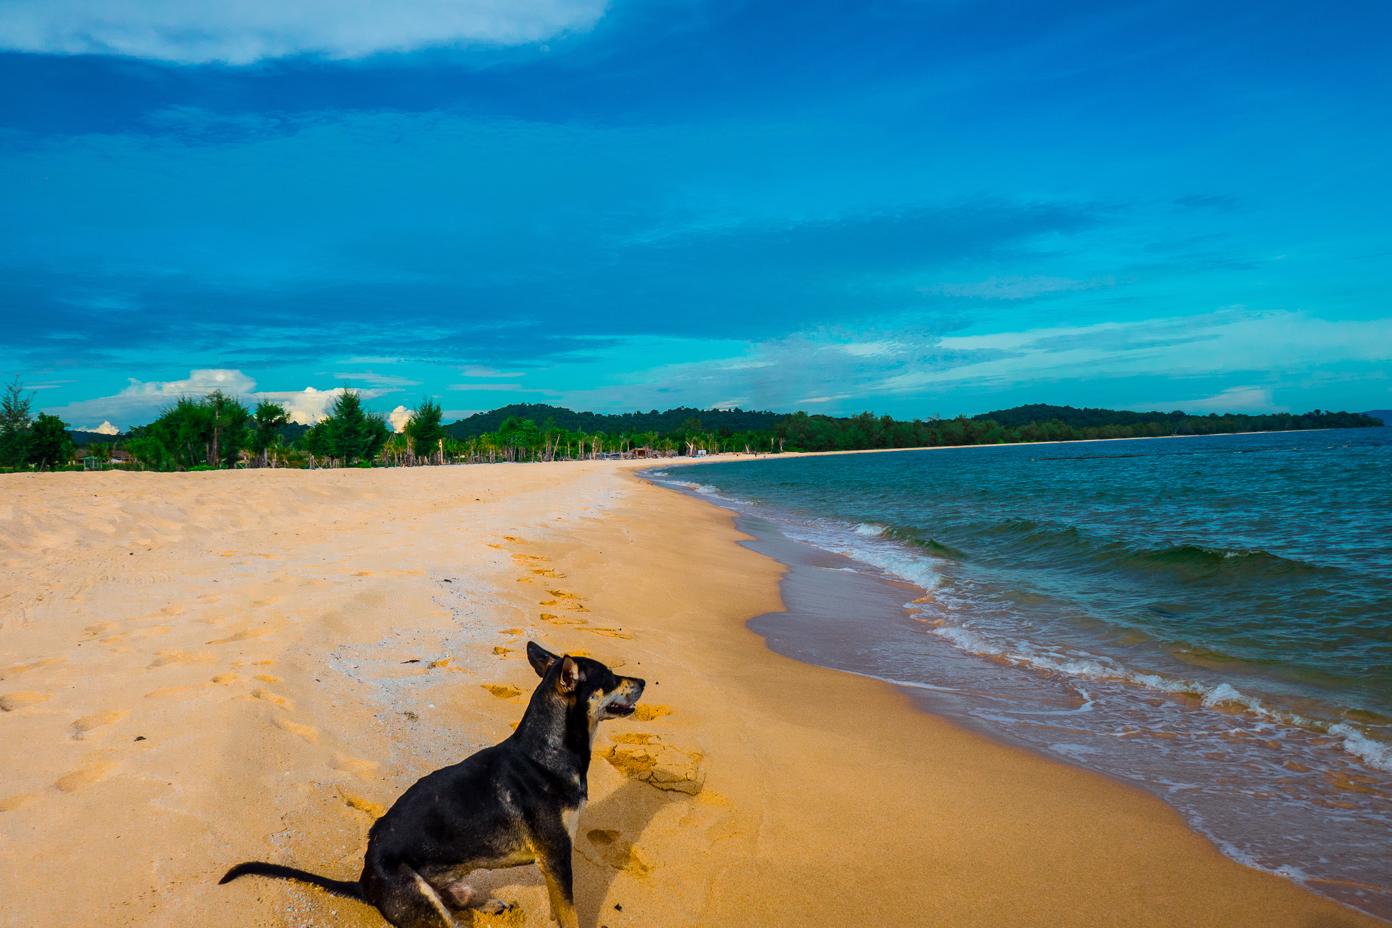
<point>671,420</point>
<point>1092,418</point>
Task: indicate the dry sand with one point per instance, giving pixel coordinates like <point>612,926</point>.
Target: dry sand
<point>197,669</point>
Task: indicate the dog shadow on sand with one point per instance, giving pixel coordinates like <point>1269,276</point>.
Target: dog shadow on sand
<point>605,841</point>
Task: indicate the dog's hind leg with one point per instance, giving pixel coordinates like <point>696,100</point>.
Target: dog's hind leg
<point>460,896</point>
<point>407,901</point>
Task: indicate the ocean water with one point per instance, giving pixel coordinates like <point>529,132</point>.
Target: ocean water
<point>1209,618</point>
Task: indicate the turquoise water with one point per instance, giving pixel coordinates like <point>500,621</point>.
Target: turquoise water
<point>1208,617</point>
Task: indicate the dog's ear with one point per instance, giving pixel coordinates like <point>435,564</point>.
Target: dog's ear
<point>540,658</point>
<point>569,677</point>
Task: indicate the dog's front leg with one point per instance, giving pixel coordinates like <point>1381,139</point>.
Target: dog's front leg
<point>555,867</point>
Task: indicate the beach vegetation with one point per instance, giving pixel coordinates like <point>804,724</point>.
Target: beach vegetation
<point>217,431</point>
<point>49,444</point>
<point>267,423</point>
<point>210,431</point>
<point>425,433</point>
<point>348,434</point>
<point>15,421</point>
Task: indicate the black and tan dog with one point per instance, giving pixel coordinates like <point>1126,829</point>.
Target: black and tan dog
<point>514,803</point>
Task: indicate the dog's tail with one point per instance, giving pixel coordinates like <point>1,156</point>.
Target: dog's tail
<point>350,890</point>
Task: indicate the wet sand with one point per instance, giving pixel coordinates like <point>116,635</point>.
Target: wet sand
<point>197,669</point>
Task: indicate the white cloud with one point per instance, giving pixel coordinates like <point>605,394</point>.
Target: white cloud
<point>839,373</point>
<point>143,399</point>
<point>399,417</point>
<point>1227,342</point>
<point>308,406</point>
<point>106,428</point>
<point>242,32</point>
<point>198,383</point>
<point>1233,399</point>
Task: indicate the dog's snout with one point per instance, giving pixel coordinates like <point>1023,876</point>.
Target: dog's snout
<point>635,685</point>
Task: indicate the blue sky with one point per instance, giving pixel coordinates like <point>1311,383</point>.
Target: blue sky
<point>918,208</point>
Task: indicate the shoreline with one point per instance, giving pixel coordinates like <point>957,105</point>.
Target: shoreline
<point>843,614</point>
<point>755,789</point>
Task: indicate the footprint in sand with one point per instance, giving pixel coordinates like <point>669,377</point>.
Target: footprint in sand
<point>226,678</point>
<point>617,851</point>
<point>274,699</point>
<point>267,678</point>
<point>646,711</point>
<point>15,670</point>
<point>96,720</point>
<point>21,699</point>
<point>511,631</point>
<point>244,635</point>
<point>647,758</point>
<point>80,779</point>
<point>606,632</point>
<point>526,558</point>
<point>307,732</point>
<point>502,690</point>
<point>501,651</point>
<point>173,656</point>
<point>374,810</point>
<point>571,604</point>
<point>557,620</point>
<point>548,572</point>
<point>10,803</point>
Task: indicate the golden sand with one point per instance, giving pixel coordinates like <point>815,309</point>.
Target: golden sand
<point>147,746</point>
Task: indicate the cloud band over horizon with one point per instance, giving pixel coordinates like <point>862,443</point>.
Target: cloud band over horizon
<point>487,203</point>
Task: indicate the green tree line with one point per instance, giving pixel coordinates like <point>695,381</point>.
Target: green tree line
<point>218,431</point>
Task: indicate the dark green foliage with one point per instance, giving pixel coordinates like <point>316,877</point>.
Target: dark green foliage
<point>208,432</point>
<point>348,434</point>
<point>518,437</point>
<point>1078,421</point>
<point>267,422</point>
<point>729,420</point>
<point>93,439</point>
<point>49,444</point>
<point>14,426</point>
<point>426,429</point>
<point>228,419</point>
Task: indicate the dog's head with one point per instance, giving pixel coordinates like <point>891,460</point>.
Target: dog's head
<point>582,682</point>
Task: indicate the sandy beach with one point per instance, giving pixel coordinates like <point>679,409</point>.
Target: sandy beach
<point>203,668</point>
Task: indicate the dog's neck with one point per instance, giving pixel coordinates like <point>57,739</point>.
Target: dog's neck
<point>555,735</point>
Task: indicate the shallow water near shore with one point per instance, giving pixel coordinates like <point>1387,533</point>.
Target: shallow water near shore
<point>1209,618</point>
